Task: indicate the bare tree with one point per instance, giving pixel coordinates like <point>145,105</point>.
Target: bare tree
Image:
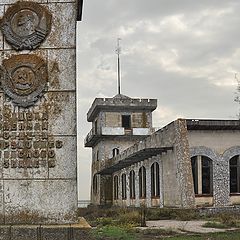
<point>237,95</point>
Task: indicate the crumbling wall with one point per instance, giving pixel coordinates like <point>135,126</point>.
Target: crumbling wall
<point>176,183</point>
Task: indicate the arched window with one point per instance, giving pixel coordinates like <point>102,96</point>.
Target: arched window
<point>155,189</point>
<point>132,184</point>
<point>142,182</point>
<point>235,174</point>
<point>115,152</point>
<point>115,184</point>
<point>124,186</point>
<point>95,183</point>
<point>97,155</point>
<point>202,175</point>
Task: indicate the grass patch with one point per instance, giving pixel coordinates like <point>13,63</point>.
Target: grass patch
<point>157,232</point>
<point>113,232</point>
<point>170,213</point>
<point>212,236</point>
<point>214,225</point>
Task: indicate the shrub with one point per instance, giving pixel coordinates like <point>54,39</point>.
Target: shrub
<point>228,219</point>
<point>170,213</point>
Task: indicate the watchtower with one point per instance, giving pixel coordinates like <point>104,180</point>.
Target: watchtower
<point>117,123</point>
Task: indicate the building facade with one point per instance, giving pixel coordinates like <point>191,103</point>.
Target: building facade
<point>186,164</point>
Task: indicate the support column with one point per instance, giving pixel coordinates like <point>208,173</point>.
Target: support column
<point>199,166</point>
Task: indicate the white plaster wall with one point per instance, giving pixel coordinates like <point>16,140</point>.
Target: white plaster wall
<point>216,140</point>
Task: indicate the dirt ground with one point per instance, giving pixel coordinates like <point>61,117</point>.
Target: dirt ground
<point>180,226</point>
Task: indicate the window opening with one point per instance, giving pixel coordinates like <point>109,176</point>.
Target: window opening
<point>142,182</point>
<point>95,183</point>
<point>155,188</point>
<point>126,121</point>
<point>202,174</point>
<point>234,174</point>
<point>132,184</point>
<point>95,126</point>
<point>115,152</point>
<point>124,186</point>
<point>115,183</point>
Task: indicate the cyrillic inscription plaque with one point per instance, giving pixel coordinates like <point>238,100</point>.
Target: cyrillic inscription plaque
<point>25,142</point>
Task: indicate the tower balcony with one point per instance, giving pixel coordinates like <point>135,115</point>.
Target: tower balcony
<point>109,132</point>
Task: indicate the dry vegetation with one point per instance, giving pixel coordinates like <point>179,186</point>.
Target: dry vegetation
<point>121,223</point>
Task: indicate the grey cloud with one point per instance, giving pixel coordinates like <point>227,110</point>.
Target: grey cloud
<point>206,51</point>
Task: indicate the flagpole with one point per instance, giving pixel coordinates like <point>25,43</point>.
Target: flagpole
<point>118,51</point>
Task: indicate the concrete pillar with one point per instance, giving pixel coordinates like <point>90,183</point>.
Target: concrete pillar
<point>128,187</point>
<point>137,166</point>
<point>38,163</point>
<point>199,166</point>
<point>148,184</point>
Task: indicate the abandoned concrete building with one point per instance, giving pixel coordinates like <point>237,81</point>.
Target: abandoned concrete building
<point>188,163</point>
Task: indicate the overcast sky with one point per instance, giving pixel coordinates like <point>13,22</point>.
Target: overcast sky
<point>184,53</point>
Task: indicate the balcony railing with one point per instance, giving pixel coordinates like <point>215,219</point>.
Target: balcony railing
<point>95,134</point>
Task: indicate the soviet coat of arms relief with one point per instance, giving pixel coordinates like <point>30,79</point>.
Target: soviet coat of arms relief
<point>24,77</point>
<point>25,25</point>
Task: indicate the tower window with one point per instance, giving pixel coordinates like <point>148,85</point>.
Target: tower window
<point>126,121</point>
<point>95,126</point>
<point>95,184</point>
<point>115,152</point>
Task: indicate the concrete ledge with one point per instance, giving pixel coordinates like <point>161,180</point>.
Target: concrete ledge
<point>46,232</point>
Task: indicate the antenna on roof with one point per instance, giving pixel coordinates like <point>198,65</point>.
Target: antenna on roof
<point>118,52</point>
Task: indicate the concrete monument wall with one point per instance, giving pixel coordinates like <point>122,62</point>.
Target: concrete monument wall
<point>38,112</point>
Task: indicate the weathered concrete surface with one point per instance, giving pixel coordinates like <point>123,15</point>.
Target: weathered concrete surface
<point>77,231</point>
<point>61,65</point>
<point>39,201</point>
<point>38,148</point>
<point>176,184</point>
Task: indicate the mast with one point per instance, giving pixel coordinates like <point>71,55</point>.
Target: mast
<point>118,52</point>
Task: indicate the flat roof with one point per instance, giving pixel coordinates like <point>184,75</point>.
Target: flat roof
<point>212,124</point>
<point>120,104</point>
<point>132,159</point>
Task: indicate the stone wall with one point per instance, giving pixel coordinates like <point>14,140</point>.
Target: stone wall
<point>37,109</point>
<point>176,183</point>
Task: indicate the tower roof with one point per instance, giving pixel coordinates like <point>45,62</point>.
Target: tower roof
<point>119,103</point>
